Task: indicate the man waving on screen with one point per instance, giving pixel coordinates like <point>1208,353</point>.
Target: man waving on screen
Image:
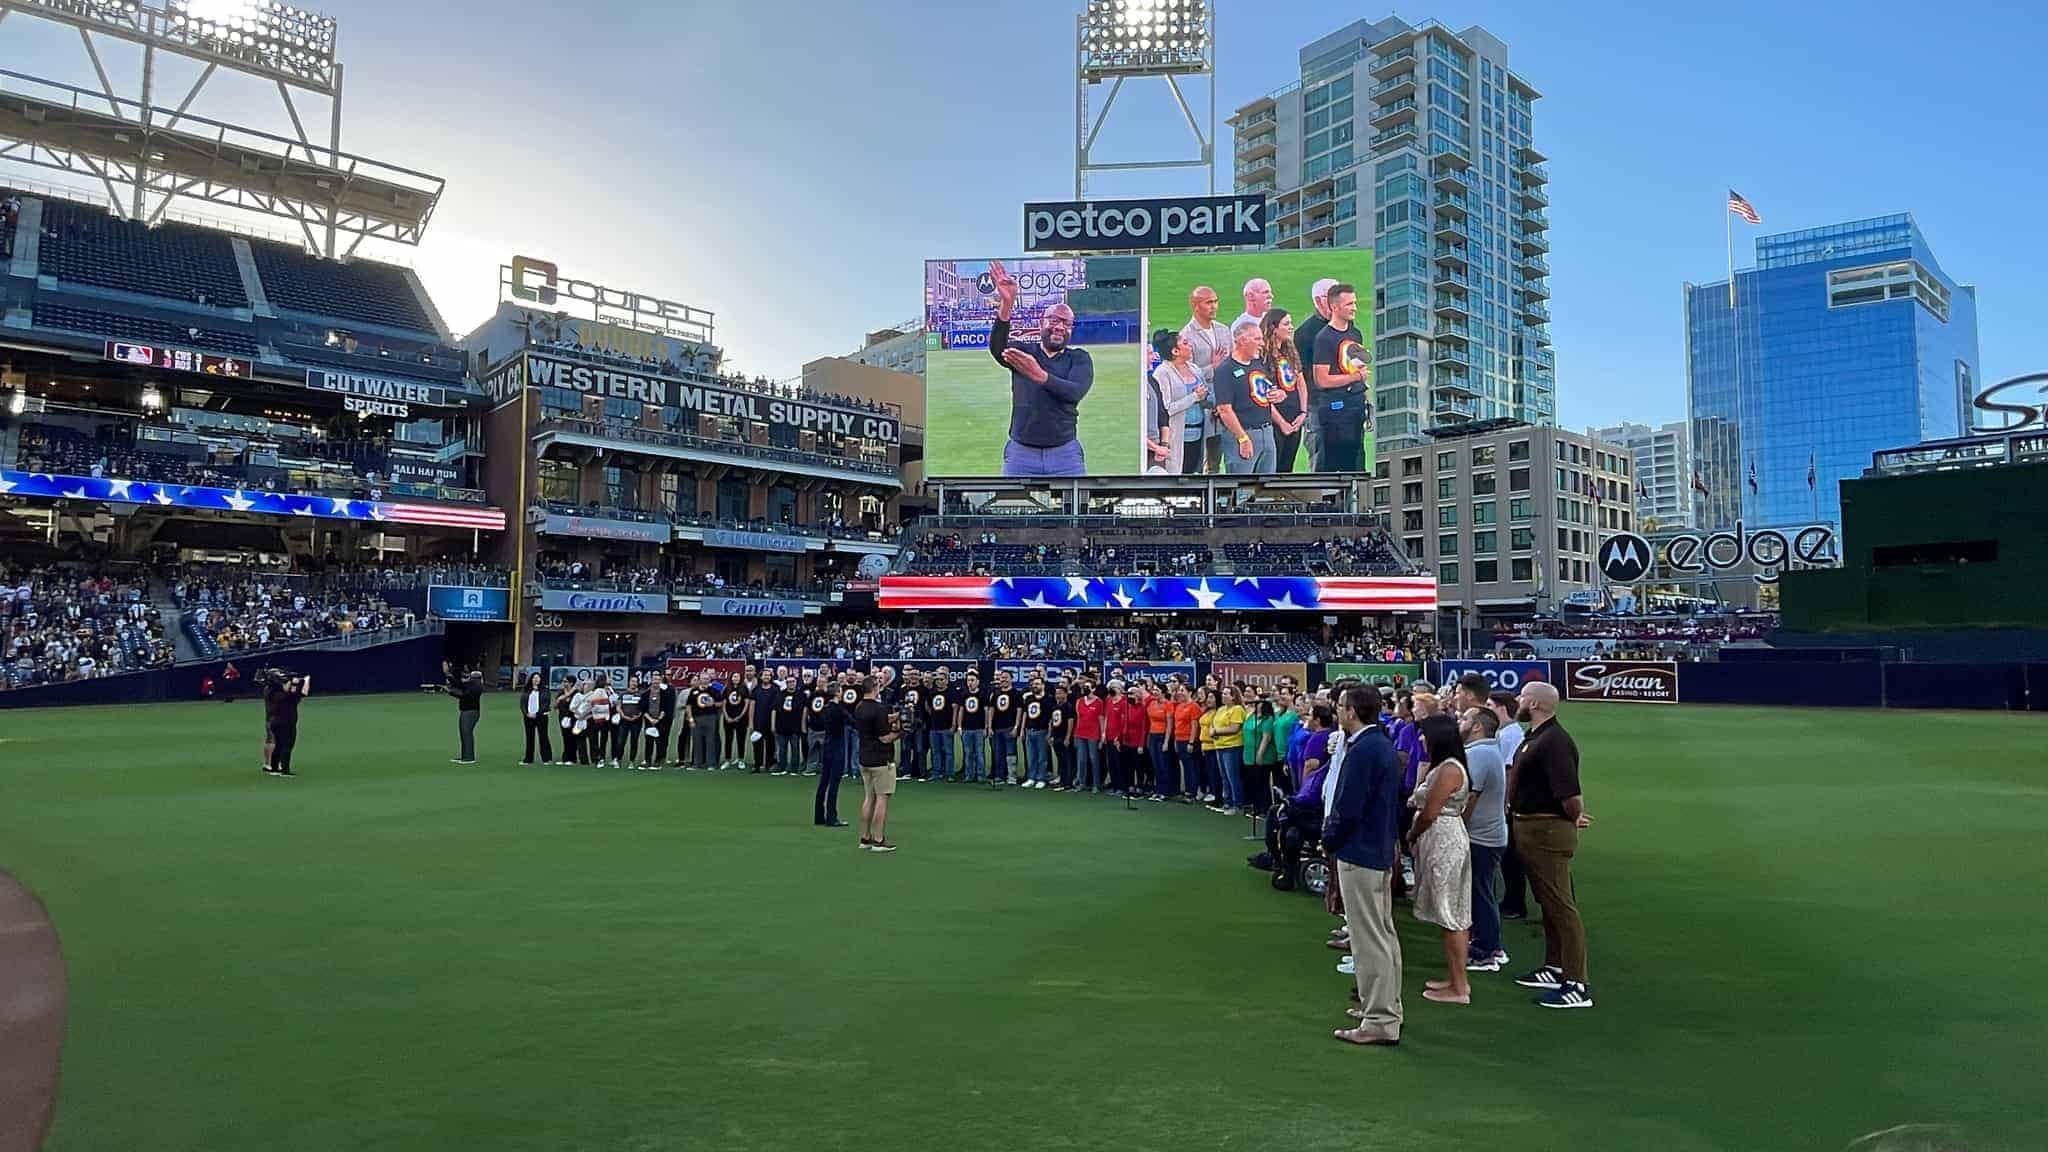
<point>1047,382</point>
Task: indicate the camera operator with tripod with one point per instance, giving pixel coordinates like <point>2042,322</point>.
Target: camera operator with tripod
<point>282,693</point>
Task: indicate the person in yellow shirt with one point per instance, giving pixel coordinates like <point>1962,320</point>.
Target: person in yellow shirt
<point>1205,744</point>
<point>1228,726</point>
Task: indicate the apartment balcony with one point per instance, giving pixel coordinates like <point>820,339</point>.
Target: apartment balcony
<point>1452,409</point>
<point>1453,279</point>
<point>1450,179</point>
<point>1382,326</point>
<point>1389,141</point>
<point>1256,169</point>
<point>1452,305</point>
<point>1451,330</point>
<point>1453,380</point>
<point>1536,288</point>
<point>1539,333</point>
<point>1536,220</point>
<point>1452,156</point>
<point>1319,184</point>
<point>1255,187</point>
<point>1288,232</point>
<point>1393,62</point>
<point>1528,155</point>
<point>1533,265</point>
<point>1393,88</point>
<point>1535,174</point>
<point>1318,227</point>
<point>1530,243</point>
<point>1450,354</point>
<point>1308,202</point>
<point>1532,195</point>
<point>1545,359</point>
<point>1250,147</point>
<point>1399,112</point>
<point>1451,204</point>
<point>1449,231</point>
<point>1454,256</point>
<point>1265,115</point>
<point>1534,313</point>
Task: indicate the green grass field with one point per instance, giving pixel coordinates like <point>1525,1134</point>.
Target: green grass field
<point>1805,926</point>
<point>967,412</point>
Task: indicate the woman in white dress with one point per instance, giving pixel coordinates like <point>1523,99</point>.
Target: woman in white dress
<point>1443,855</point>
<point>1176,386</point>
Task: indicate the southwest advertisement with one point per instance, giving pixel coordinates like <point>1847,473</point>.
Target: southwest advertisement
<point>1127,365</point>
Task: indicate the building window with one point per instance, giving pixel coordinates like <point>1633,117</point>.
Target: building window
<point>557,481</point>
<point>1564,480</point>
<point>1521,569</point>
<point>1411,492</point>
<point>732,500</point>
<point>1486,571</point>
<point>1521,509</point>
<point>1447,517</point>
<point>615,488</point>
<point>1411,520</point>
<point>1518,479</point>
<point>1518,450</point>
<point>685,496</point>
<point>1379,470</point>
<point>779,568</point>
<point>1564,569</point>
<point>1414,546</point>
<point>1446,461</point>
<point>1411,466</point>
<point>1484,543</point>
<point>1483,483</point>
<point>1447,544</point>
<point>1482,456</point>
<point>1380,496</point>
<point>1485,512</point>
<point>1447,573</point>
<point>1564,539</point>
<point>1447,487</point>
<point>1522,539</point>
<point>781,505</point>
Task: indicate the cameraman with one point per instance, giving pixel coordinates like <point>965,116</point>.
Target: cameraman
<point>281,701</point>
<point>468,690</point>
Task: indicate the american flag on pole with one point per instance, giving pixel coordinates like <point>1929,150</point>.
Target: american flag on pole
<point>1743,208</point>
<point>1181,593</point>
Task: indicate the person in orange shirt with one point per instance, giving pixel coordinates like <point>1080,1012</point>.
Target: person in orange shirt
<point>1159,741</point>
<point>1183,751</point>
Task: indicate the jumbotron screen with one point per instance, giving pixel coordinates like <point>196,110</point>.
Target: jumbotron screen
<point>1154,365</point>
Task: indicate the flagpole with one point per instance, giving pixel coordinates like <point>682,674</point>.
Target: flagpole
<point>1728,232</point>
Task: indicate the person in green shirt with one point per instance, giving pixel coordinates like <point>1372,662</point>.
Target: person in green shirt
<point>1284,724</point>
<point>1262,754</point>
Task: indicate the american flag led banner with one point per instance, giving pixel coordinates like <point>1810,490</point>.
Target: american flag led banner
<point>254,500</point>
<point>1152,593</point>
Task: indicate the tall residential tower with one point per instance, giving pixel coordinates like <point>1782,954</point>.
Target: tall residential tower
<point>1416,140</point>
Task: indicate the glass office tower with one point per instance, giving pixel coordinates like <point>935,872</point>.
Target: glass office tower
<point>1843,341</point>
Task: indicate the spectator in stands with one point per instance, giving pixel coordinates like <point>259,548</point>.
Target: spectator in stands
<point>1175,388</point>
<point>1048,380</point>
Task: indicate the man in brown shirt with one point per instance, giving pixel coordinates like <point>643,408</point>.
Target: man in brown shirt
<point>1548,811</point>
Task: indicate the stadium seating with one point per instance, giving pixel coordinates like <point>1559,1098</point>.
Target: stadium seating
<point>75,622</point>
<point>143,328</point>
<point>87,245</point>
<point>230,612</point>
<point>359,290</point>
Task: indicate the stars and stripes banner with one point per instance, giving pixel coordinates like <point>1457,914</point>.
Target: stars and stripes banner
<point>1743,208</point>
<point>1153,593</point>
<point>255,500</point>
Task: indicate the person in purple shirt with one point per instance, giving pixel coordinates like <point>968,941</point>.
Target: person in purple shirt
<point>1048,381</point>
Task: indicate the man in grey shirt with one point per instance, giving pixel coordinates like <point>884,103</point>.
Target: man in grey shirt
<point>1210,342</point>
<point>1486,826</point>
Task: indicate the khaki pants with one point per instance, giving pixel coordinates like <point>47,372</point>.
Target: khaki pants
<point>1375,948</point>
<point>1546,847</point>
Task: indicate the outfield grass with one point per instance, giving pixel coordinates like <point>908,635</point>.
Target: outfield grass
<point>967,412</point>
<point>1805,926</point>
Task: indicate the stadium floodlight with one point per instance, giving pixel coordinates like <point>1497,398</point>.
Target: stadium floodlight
<point>1117,40</point>
<point>264,31</point>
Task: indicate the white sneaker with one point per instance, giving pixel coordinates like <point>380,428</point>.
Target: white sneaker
<point>1348,966</point>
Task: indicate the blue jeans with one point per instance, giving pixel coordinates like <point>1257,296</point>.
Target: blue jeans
<point>825,808</point>
<point>815,744</point>
<point>1003,755</point>
<point>1190,766</point>
<point>1037,754</point>
<point>912,763</point>
<point>1485,910</point>
<point>1162,763</point>
<point>1229,762</point>
<point>941,754</point>
<point>1061,460</point>
<point>849,753</point>
<point>973,752</point>
<point>1088,764</point>
<point>789,751</point>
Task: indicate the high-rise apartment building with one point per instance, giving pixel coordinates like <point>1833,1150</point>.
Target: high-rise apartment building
<point>1842,342</point>
<point>1415,139</point>
<point>1663,492</point>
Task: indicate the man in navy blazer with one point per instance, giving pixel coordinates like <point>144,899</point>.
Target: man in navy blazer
<point>1360,830</point>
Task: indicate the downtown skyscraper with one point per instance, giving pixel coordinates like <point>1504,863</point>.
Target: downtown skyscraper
<point>1416,141</point>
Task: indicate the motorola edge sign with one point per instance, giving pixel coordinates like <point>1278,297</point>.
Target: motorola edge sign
<point>1129,225</point>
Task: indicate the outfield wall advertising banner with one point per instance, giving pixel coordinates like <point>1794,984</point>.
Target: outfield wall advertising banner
<point>559,674</point>
<point>1372,673</point>
<point>1259,675</point>
<point>1634,681</point>
<point>1021,671</point>
<point>1133,387</point>
<point>681,668</point>
<point>548,371</point>
<point>639,602</point>
<point>1504,675</point>
<point>1159,670</point>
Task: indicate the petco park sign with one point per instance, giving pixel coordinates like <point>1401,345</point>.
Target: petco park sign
<point>1124,225</point>
<point>530,280</point>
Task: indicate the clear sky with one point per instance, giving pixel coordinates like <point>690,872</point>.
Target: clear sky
<point>789,165</point>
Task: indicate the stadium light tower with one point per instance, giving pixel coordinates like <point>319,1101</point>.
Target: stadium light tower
<point>133,144</point>
<point>1118,40</point>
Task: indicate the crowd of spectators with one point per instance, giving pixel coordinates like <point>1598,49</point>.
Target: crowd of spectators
<point>233,611</point>
<point>60,623</point>
<point>795,642</point>
<point>1063,644</point>
<point>1374,647</point>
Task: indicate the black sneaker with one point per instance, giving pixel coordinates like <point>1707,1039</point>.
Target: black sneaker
<point>881,846</point>
<point>1544,977</point>
<point>1570,994</point>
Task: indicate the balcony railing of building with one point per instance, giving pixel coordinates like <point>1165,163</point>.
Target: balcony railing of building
<point>1533,286</point>
<point>1266,116</point>
<point>1262,164</point>
<point>1257,186</point>
<point>1387,113</point>
<point>1450,354</point>
<point>1452,330</point>
<point>627,434</point>
<point>1448,407</point>
<point>1531,242</point>
<point>1448,153</point>
<point>1532,195</point>
<point>1457,279</point>
<point>1453,204</point>
<point>1451,230</point>
<point>1453,379</point>
<point>1386,65</point>
<point>824,531</point>
<point>1536,174</point>
<point>1537,220</point>
<point>1402,137</point>
<point>1308,202</point>
<point>1251,145</point>
<point>1454,254</point>
<point>1535,313</point>
<point>1405,80</point>
<point>1536,264</point>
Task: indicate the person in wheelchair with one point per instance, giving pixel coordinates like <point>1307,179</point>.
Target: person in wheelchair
<point>1295,832</point>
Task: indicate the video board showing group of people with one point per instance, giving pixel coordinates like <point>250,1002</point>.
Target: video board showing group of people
<point>1249,363</point>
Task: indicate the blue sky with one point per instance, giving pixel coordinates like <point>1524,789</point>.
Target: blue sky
<point>789,165</point>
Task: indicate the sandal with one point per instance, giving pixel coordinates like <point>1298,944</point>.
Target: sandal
<point>1445,997</point>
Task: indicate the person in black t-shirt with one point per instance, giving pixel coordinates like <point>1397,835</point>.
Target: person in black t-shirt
<point>658,719</point>
<point>817,683</point>
<point>941,717</point>
<point>879,728</point>
<point>1547,813</point>
<point>705,707</point>
<point>789,726</point>
<point>626,726</point>
<point>762,738</point>
<point>1341,405</point>
<point>973,713</point>
<point>831,712</point>
<point>1245,390</point>
<point>1062,729</point>
<point>282,702</point>
<point>911,704</point>
<point>739,720</point>
<point>1005,714</point>
<point>1037,736</point>
<point>1048,381</point>
<point>468,690</point>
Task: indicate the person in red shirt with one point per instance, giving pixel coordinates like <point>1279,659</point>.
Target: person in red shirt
<point>1132,740</point>
<point>1090,713</point>
<point>1158,739</point>
<point>1184,752</point>
<point>1116,718</point>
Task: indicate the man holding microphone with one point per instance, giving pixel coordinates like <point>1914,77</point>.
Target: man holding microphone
<point>1048,381</point>
<point>1341,370</point>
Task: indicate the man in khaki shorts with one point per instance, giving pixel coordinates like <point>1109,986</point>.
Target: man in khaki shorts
<point>878,729</point>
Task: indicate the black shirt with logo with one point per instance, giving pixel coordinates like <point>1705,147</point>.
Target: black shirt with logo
<point>703,704</point>
<point>789,711</point>
<point>736,703</point>
<point>1062,722</point>
<point>1234,387</point>
<point>629,704</point>
<point>973,710</point>
<point>938,709</point>
<point>1002,709</point>
<point>912,702</point>
<point>1037,712</point>
<point>765,698</point>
